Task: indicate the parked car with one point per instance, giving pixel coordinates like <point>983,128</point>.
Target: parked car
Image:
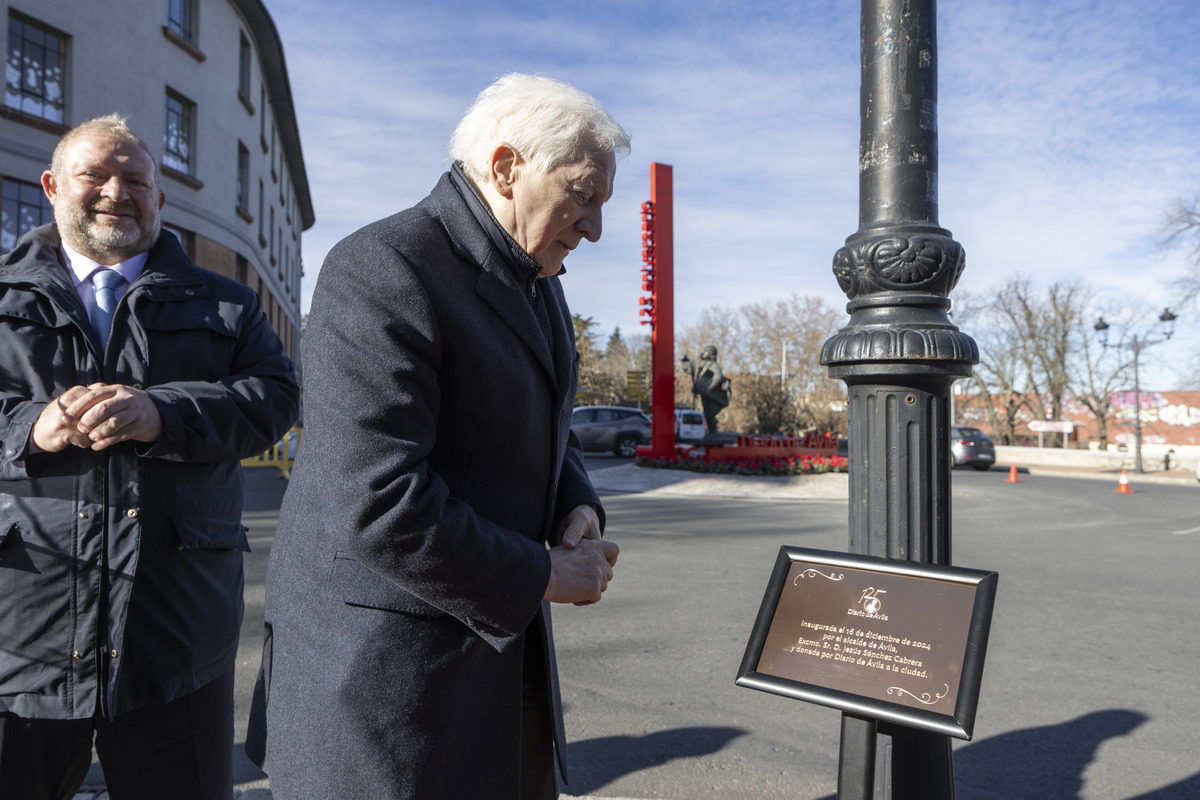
<point>971,446</point>
<point>689,425</point>
<point>614,428</point>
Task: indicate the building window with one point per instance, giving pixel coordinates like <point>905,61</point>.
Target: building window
<point>243,177</point>
<point>24,207</point>
<point>36,69</point>
<point>244,52</point>
<point>177,142</point>
<point>262,121</point>
<point>181,19</point>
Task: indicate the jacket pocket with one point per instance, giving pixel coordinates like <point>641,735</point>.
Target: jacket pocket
<point>191,339</point>
<point>200,533</point>
<point>357,585</point>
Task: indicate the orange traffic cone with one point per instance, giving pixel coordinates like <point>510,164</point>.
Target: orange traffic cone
<point>1123,485</point>
<point>1012,474</point>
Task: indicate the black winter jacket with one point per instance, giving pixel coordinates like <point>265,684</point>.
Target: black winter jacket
<point>121,571</point>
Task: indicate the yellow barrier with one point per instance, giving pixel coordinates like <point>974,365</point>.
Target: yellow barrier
<point>280,455</point>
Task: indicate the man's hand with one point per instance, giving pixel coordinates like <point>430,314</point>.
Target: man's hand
<point>55,428</point>
<point>582,523</point>
<point>96,417</point>
<point>109,414</point>
<point>580,574</point>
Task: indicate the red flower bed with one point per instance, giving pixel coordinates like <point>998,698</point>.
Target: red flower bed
<point>771,465</point>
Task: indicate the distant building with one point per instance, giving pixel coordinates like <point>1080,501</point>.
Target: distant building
<point>1170,419</point>
<point>206,86</point>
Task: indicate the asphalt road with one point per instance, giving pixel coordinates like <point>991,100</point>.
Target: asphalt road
<point>1089,690</point>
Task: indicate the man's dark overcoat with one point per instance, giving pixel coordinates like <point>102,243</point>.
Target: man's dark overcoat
<point>121,570</point>
<point>410,562</point>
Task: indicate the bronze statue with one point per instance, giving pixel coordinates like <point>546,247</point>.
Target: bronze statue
<point>712,386</point>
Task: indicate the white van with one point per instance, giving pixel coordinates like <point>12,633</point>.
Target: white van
<point>689,425</point>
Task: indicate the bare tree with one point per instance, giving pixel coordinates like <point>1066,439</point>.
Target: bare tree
<point>1182,229</point>
<point>771,407</point>
<point>1101,373</point>
<point>771,352</point>
<point>1002,374</point>
<point>1049,328</point>
<point>1038,348</point>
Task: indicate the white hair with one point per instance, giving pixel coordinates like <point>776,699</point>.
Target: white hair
<point>547,122</point>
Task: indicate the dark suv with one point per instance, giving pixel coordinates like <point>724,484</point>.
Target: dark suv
<point>613,428</point>
<point>971,446</point>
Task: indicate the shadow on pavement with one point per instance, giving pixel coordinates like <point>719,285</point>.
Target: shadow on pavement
<point>597,762</point>
<point>1048,763</point>
<point>244,770</point>
<point>1041,762</point>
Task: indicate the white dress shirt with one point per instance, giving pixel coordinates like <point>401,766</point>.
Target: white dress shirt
<point>82,267</point>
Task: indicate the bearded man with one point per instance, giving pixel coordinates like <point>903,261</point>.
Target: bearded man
<point>132,383</point>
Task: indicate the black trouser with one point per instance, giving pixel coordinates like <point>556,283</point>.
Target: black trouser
<point>182,750</point>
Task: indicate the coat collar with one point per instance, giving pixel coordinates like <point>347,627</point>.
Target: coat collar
<point>37,259</point>
<point>499,285</point>
<point>37,263</point>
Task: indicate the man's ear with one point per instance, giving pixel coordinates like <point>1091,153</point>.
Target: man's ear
<point>49,186</point>
<point>502,173</point>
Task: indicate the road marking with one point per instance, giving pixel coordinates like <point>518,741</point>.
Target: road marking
<point>1185,533</point>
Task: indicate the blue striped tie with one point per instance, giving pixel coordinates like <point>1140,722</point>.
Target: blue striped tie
<point>105,281</point>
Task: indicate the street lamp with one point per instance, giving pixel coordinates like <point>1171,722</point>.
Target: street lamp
<point>686,363</point>
<point>1168,322</point>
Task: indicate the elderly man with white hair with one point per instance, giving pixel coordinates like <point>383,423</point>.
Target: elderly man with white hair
<point>440,503</point>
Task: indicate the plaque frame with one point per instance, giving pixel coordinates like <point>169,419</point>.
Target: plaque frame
<point>959,723</point>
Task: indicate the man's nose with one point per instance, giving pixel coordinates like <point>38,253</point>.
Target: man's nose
<point>114,189</point>
<point>592,225</point>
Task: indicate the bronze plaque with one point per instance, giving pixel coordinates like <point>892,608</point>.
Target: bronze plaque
<point>895,640</point>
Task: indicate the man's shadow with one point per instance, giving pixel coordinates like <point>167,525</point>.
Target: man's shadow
<point>1048,763</point>
<point>598,762</point>
<point>1044,763</point>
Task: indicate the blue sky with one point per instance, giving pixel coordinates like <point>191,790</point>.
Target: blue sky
<point>1065,130</point>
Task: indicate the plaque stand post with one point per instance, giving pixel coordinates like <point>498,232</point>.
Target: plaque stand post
<point>899,356</point>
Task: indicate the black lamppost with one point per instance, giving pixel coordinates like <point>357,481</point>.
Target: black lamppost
<point>1168,322</point>
<point>899,355</point>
